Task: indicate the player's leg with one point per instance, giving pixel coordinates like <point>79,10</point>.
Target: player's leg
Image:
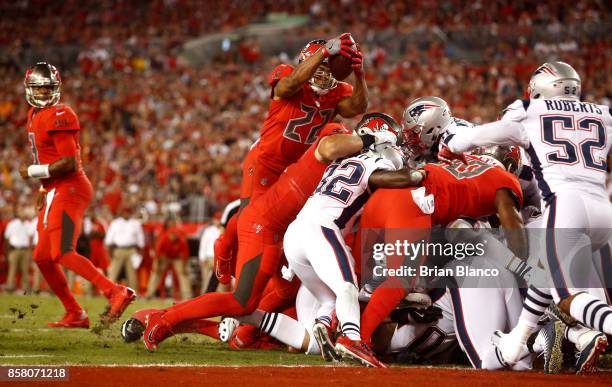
<point>13,258</point>
<point>258,259</point>
<point>24,263</point>
<point>180,267</point>
<point>595,218</point>
<point>56,279</point>
<point>159,267</point>
<point>64,226</point>
<point>300,243</point>
<point>405,220</point>
<point>473,330</point>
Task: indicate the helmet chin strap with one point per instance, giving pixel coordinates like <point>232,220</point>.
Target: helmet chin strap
<point>318,90</point>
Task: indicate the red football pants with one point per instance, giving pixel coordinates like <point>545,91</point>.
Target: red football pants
<point>256,179</point>
<point>259,254</point>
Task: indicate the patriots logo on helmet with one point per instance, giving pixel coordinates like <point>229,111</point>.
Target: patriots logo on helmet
<point>544,69</point>
<point>419,109</point>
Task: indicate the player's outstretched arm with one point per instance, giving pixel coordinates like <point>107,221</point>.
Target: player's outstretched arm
<point>357,103</point>
<point>403,178</point>
<point>503,132</point>
<point>292,83</point>
<point>336,146</point>
<point>66,146</point>
<point>512,222</point>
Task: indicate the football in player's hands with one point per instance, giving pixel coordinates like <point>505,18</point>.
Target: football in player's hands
<point>341,55</point>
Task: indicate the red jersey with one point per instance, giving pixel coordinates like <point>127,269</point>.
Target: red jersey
<point>172,249</point>
<point>41,125</point>
<point>462,190</point>
<point>279,206</point>
<point>293,124</point>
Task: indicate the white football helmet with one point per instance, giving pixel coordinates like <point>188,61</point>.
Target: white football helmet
<point>423,123</point>
<point>554,80</point>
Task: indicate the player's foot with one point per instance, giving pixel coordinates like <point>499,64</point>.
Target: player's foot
<point>552,333</point>
<point>323,333</point>
<point>227,326</point>
<point>357,350</point>
<point>72,320</point>
<point>591,345</point>
<point>509,348</point>
<point>157,330</point>
<point>120,298</point>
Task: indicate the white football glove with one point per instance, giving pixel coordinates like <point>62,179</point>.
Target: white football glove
<point>385,137</point>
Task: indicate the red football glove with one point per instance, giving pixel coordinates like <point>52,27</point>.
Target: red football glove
<point>357,62</point>
<point>447,156</point>
<point>342,45</point>
<point>221,264</point>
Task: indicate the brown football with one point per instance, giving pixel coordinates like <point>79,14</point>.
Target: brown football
<point>340,67</point>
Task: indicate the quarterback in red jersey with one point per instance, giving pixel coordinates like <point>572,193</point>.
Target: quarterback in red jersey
<point>260,229</point>
<point>303,100</point>
<point>53,132</point>
<point>480,188</point>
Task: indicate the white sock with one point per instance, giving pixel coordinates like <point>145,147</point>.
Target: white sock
<point>534,306</point>
<point>592,312</point>
<point>347,310</point>
<point>284,329</point>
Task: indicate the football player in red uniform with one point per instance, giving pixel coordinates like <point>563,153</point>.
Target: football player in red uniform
<point>477,189</point>
<point>260,228</point>
<point>303,100</point>
<point>53,132</point>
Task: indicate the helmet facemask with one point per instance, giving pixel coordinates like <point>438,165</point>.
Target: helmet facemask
<point>42,85</point>
<point>322,80</point>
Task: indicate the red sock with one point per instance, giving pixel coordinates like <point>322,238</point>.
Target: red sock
<point>204,306</point>
<point>229,238</point>
<point>204,327</point>
<point>83,267</point>
<point>383,301</point>
<point>55,277</point>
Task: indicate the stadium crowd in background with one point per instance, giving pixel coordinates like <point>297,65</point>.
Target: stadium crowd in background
<point>168,139</point>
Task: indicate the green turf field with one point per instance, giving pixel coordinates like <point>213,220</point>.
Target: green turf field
<point>25,339</point>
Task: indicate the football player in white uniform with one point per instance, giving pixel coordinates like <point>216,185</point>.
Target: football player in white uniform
<point>568,144</point>
<point>314,243</point>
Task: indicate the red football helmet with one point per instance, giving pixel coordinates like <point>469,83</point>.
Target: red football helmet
<point>42,85</point>
<point>508,156</point>
<point>379,121</point>
<point>322,81</point>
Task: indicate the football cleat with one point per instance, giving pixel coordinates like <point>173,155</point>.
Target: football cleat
<point>72,320</point>
<point>227,327</point>
<point>157,330</point>
<point>508,348</point>
<point>323,333</point>
<point>120,298</point>
<point>588,357</point>
<point>357,350</point>
<point>553,333</point>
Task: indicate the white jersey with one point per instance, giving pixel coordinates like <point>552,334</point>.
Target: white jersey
<point>343,191</point>
<point>567,142</point>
